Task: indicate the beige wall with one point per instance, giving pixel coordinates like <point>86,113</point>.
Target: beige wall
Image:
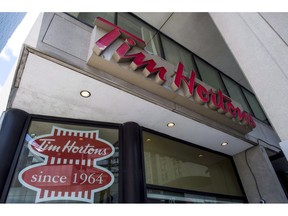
<point>258,177</point>
<point>259,43</point>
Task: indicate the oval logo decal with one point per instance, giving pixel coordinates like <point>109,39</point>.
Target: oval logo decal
<point>69,170</point>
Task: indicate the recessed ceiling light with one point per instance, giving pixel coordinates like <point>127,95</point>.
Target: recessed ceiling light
<point>200,155</point>
<point>85,93</point>
<point>224,143</point>
<point>171,124</point>
<point>148,140</point>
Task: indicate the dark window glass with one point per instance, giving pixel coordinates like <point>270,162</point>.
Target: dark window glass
<point>64,163</point>
<point>164,196</point>
<point>89,18</point>
<point>169,163</point>
<point>141,30</point>
<point>255,106</point>
<point>175,54</point>
<point>210,75</point>
<point>235,93</point>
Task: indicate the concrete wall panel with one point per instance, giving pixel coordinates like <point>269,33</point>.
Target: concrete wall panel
<point>258,177</point>
<point>68,37</point>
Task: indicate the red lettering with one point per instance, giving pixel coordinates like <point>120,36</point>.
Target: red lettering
<point>120,54</point>
<point>114,33</point>
<point>106,41</point>
<point>251,120</point>
<point>230,110</point>
<point>243,117</point>
<point>138,61</point>
<point>202,95</point>
<point>188,84</point>
<point>217,101</point>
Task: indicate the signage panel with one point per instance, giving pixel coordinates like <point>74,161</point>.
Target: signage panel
<point>121,54</point>
<point>69,170</point>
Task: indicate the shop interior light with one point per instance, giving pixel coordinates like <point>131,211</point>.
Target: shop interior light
<point>200,155</point>
<point>224,143</point>
<point>171,124</point>
<point>85,93</point>
<point>148,140</point>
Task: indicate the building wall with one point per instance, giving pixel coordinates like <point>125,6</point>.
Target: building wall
<point>258,176</point>
<point>55,29</point>
<point>67,41</point>
<point>259,44</point>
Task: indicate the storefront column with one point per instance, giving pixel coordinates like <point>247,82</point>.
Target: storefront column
<point>11,129</point>
<point>132,188</point>
<point>264,64</point>
<point>258,177</point>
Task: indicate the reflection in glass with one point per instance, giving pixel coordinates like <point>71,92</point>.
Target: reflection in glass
<point>141,30</point>
<point>173,164</point>
<point>210,75</point>
<point>235,92</point>
<point>163,196</point>
<point>175,54</point>
<point>89,18</point>
<point>62,163</point>
<point>255,106</point>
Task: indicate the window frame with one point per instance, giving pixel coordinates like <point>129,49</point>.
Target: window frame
<point>241,92</point>
<point>266,121</point>
<point>177,190</point>
<point>197,69</point>
<point>162,55</point>
<point>60,120</point>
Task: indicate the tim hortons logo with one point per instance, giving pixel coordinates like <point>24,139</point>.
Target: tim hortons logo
<point>69,170</point>
<point>190,87</point>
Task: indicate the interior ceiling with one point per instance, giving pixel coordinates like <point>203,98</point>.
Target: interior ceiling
<point>198,33</point>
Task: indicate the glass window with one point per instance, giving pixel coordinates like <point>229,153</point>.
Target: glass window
<point>64,163</point>
<point>141,30</point>
<point>255,106</point>
<point>89,18</point>
<point>235,93</point>
<point>174,54</point>
<point>210,75</point>
<point>172,164</point>
<point>173,196</point>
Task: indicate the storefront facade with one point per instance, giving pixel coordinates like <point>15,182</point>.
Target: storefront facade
<point>88,117</point>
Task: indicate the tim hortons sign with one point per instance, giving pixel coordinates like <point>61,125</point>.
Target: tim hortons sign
<point>69,170</point>
<point>122,54</point>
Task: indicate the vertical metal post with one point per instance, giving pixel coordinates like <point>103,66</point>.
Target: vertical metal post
<point>10,133</point>
<point>132,185</point>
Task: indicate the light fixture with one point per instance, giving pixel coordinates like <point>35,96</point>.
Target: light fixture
<point>85,93</point>
<point>171,124</point>
<point>148,140</point>
<point>224,143</point>
<point>200,155</point>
